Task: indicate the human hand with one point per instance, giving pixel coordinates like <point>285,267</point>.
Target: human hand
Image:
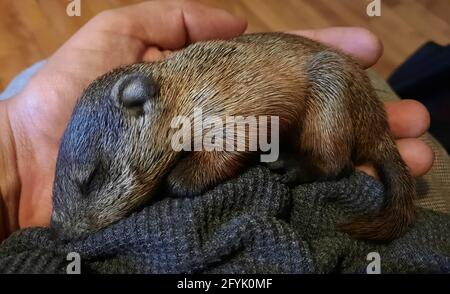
<point>39,114</point>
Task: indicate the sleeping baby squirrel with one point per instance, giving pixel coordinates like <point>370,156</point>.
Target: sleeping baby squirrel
<point>117,148</point>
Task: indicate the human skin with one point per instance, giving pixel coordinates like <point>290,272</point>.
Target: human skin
<point>33,121</point>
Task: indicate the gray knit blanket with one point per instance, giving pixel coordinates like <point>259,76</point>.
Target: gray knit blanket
<point>255,223</point>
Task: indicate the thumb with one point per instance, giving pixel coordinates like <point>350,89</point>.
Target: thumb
<point>170,24</point>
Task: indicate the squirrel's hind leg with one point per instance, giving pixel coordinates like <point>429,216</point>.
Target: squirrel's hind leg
<point>201,170</point>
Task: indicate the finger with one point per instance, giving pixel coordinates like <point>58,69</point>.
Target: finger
<point>368,169</point>
<point>167,53</point>
<point>360,43</point>
<point>172,24</point>
<point>407,118</point>
<point>155,54</point>
<point>122,36</point>
<point>417,155</point>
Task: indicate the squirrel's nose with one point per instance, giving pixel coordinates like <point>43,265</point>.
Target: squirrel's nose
<point>133,90</point>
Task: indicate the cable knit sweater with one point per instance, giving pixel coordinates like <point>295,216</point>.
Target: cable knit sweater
<point>255,223</point>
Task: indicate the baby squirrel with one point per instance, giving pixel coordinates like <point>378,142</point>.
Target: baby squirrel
<point>117,149</point>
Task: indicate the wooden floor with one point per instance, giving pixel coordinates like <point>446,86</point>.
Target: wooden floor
<point>31,30</point>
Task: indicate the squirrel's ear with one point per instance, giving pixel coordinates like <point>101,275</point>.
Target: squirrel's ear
<point>133,90</point>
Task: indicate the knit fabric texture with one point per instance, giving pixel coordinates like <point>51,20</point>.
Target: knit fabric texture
<point>255,223</point>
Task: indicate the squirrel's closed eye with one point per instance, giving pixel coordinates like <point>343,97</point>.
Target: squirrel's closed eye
<point>91,182</point>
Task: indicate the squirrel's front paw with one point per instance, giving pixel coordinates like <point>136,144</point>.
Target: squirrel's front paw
<point>181,183</point>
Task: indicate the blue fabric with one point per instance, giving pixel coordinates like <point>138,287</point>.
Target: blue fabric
<point>19,82</point>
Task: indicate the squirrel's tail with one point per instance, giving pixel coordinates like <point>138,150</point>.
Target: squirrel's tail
<point>398,210</point>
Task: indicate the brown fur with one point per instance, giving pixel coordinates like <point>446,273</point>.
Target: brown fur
<point>324,100</point>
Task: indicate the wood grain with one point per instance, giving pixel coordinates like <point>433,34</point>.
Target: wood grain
<point>31,30</point>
